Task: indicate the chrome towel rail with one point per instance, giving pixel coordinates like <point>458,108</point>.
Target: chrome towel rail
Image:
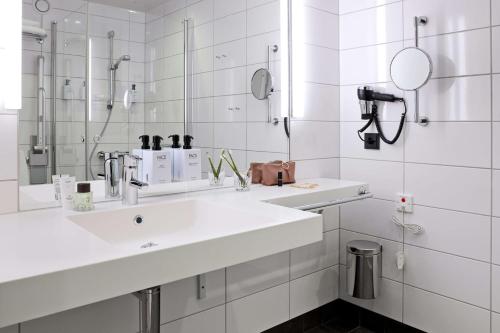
<point>337,202</point>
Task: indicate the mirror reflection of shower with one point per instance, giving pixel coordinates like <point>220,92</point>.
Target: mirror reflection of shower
<point>112,69</point>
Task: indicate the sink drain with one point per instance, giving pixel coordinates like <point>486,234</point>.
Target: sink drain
<point>138,219</point>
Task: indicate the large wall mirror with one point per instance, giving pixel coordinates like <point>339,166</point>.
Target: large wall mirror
<point>98,75</point>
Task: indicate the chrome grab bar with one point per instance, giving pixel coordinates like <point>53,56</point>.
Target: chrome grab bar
<point>317,206</point>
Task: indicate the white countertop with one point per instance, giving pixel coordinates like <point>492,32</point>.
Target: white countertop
<point>50,264</point>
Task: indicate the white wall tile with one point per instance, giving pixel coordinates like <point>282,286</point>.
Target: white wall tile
<point>266,137</point>
<point>454,55</point>
<point>258,312</point>
<point>437,272</point>
<point>180,298</point>
<point>496,144</point>
<point>228,55</point>
<point>8,135</point>
<point>227,7</point>
<point>496,48</point>
<point>446,15</point>
<point>495,236</point>
<point>496,193</point>
<point>314,257</point>
<point>230,28</point>
<point>464,189</point>
<point>230,81</point>
<point>470,237</point>
<point>325,168</point>
<point>390,300</point>
<point>381,24</point>
<point>230,135</point>
<point>495,285</point>
<point>455,99</point>
<point>434,313</point>
<point>263,19</point>
<point>201,12</point>
<point>319,28</point>
<point>314,139</point>
<point>8,196</point>
<point>385,178</point>
<point>331,6</point>
<point>495,12</point>
<point>367,64</point>
<point>321,102</point>
<point>372,217</point>
<point>321,65</point>
<point>117,315</point>
<point>346,6</point>
<point>257,47</point>
<point>230,108</point>
<point>312,291</point>
<point>445,143</point>
<point>495,322</point>
<point>254,276</point>
<point>212,320</point>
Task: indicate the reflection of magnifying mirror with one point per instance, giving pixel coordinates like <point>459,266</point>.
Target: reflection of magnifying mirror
<point>411,68</point>
<point>42,6</point>
<point>262,84</point>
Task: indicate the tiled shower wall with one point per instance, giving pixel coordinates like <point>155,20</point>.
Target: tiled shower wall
<point>451,281</point>
<point>258,295</point>
<point>78,20</point>
<point>228,42</point>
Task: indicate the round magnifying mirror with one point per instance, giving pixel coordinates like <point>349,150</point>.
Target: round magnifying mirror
<point>411,68</point>
<point>262,84</point>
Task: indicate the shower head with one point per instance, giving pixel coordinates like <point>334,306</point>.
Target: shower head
<point>125,57</point>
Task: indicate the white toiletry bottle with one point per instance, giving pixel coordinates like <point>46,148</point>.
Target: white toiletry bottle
<point>187,162</point>
<point>157,163</point>
<point>139,152</point>
<point>172,149</point>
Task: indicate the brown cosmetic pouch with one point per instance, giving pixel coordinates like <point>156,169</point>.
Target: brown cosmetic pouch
<point>267,173</point>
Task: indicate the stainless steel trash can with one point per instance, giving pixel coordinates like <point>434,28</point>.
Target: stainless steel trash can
<point>364,269</point>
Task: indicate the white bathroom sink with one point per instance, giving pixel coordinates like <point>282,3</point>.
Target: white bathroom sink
<point>153,225</point>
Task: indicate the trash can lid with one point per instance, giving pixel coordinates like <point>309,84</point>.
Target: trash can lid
<point>364,247</point>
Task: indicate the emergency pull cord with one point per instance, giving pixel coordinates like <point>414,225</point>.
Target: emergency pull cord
<point>374,117</point>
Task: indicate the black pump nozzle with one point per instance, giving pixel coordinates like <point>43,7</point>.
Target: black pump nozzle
<point>145,141</point>
<point>187,141</point>
<point>157,142</point>
<point>175,140</point>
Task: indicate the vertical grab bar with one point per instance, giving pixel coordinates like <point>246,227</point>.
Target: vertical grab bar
<point>419,20</point>
<point>186,74</point>
<point>270,49</point>
<point>40,144</point>
<point>53,54</point>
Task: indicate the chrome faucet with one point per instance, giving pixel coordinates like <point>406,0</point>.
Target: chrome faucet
<point>111,174</point>
<point>131,184</point>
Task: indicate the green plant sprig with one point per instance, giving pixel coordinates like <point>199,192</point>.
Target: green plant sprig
<point>232,164</point>
<point>215,170</point>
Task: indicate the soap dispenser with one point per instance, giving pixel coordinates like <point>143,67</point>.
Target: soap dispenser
<point>187,161</point>
<point>157,163</point>
<point>139,152</point>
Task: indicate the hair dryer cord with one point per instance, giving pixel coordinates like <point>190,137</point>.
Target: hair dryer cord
<point>374,117</point>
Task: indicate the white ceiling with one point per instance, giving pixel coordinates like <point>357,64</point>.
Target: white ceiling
<point>140,5</point>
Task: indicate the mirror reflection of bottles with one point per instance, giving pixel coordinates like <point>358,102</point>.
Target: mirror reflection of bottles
<point>187,161</point>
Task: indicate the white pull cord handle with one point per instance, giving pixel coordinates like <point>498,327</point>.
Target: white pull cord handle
<point>413,228</point>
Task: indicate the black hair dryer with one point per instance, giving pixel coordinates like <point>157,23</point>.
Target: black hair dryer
<point>368,99</point>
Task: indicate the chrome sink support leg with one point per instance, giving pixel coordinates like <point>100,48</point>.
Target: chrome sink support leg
<point>149,314</point>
